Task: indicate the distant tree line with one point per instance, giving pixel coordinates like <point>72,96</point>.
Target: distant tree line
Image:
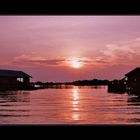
<point>46,83</point>
<point>89,82</point>
<point>76,83</point>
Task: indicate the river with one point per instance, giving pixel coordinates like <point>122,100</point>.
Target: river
<point>76,105</point>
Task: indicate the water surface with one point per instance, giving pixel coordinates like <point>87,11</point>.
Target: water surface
<point>76,105</point>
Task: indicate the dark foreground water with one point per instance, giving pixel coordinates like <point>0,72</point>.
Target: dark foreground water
<point>77,105</point>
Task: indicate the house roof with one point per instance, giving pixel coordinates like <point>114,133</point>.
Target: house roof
<point>13,73</point>
<point>133,72</point>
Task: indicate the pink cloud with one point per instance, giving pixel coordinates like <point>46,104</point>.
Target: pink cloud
<point>127,53</point>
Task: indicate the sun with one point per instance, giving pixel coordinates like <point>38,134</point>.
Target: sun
<point>75,63</point>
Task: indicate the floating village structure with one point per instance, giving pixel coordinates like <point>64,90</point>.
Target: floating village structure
<point>130,83</point>
<point>11,79</point>
<point>16,80</point>
<point>132,79</point>
<point>117,86</point>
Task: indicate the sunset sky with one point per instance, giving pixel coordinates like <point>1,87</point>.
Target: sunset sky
<point>67,48</point>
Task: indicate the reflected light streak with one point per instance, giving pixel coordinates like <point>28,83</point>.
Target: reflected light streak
<point>76,116</point>
<point>75,94</point>
<point>75,103</point>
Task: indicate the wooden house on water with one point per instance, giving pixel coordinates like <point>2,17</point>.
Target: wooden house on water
<point>132,79</point>
<point>11,79</point>
<point>118,86</point>
<point>130,83</point>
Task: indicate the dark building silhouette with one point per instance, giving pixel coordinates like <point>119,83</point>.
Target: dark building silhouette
<point>13,79</point>
<point>132,79</point>
<point>130,83</point>
<point>118,86</point>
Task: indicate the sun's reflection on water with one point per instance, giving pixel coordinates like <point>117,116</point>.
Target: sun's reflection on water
<point>76,116</point>
<point>75,103</point>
